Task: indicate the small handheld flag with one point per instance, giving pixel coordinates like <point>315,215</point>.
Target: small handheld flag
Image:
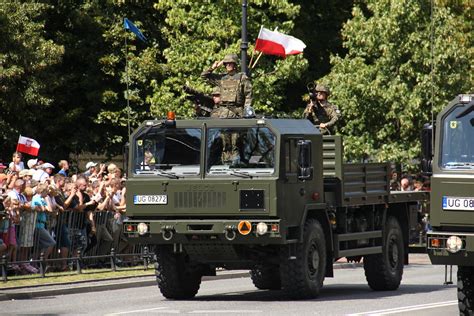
<point>128,25</point>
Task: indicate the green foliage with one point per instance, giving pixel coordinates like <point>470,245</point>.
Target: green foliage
<point>197,35</point>
<point>385,86</point>
<point>26,56</point>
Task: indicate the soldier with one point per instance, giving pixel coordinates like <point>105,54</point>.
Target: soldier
<point>320,112</point>
<point>235,87</point>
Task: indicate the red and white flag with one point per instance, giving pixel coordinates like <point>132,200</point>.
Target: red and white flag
<point>275,43</point>
<point>28,146</point>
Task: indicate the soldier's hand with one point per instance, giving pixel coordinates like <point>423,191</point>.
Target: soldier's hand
<point>217,64</point>
<point>322,125</point>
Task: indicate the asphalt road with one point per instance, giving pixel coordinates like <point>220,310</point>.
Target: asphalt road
<point>422,292</point>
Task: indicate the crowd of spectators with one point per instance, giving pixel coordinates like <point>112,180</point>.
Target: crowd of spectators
<point>47,213</point>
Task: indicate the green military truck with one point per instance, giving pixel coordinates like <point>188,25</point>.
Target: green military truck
<point>269,195</point>
<point>451,241</point>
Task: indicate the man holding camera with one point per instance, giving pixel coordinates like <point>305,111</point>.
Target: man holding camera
<point>320,112</point>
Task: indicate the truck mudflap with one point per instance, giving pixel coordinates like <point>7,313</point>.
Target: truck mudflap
<point>451,248</point>
<point>245,231</point>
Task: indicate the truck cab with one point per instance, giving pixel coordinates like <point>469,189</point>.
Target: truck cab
<point>451,241</point>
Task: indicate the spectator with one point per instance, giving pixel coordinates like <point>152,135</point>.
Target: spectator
<point>16,165</point>
<point>46,241</point>
<point>64,165</point>
<point>43,172</point>
<point>32,164</point>
<point>405,184</point>
<point>15,204</point>
<point>2,168</point>
<point>27,229</point>
<point>91,169</point>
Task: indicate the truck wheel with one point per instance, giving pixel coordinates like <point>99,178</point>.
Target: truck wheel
<point>174,277</point>
<point>466,290</point>
<point>384,271</point>
<point>266,277</point>
<point>303,277</point>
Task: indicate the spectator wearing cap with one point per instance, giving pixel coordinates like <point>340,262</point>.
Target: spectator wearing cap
<point>90,169</point>
<point>16,165</point>
<point>64,165</point>
<point>32,163</point>
<point>43,172</point>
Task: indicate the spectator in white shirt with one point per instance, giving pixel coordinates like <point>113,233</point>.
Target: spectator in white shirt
<point>16,165</point>
<point>43,172</point>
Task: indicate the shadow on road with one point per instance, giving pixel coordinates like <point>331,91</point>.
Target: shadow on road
<point>333,292</point>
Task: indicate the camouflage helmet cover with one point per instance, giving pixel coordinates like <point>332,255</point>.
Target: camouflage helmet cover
<point>231,58</point>
<point>322,88</point>
<point>216,91</point>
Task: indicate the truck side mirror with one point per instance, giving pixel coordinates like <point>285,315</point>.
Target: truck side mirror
<point>305,169</point>
<point>427,149</point>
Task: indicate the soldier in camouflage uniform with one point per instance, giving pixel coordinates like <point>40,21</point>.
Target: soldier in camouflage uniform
<point>322,113</point>
<point>235,87</point>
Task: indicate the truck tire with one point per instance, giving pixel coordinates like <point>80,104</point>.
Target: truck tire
<point>266,277</point>
<point>174,277</point>
<point>384,271</point>
<point>303,276</point>
<point>466,290</point>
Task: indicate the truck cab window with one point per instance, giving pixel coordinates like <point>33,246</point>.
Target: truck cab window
<point>168,150</point>
<point>457,137</point>
<point>291,156</point>
<point>250,150</point>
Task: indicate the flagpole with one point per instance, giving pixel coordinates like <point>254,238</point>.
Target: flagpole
<point>256,60</point>
<point>127,79</point>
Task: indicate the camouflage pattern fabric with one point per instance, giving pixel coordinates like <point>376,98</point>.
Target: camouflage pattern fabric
<point>323,113</point>
<point>236,89</point>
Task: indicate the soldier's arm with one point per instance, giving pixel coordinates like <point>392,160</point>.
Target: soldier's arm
<point>308,110</point>
<point>334,114</point>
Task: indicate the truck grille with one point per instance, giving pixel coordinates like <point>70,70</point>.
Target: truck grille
<point>199,199</point>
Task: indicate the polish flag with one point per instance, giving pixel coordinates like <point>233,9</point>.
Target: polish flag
<point>28,146</point>
<point>275,43</point>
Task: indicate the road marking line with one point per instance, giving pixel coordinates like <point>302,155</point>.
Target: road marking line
<point>137,311</point>
<point>223,311</point>
<point>406,308</point>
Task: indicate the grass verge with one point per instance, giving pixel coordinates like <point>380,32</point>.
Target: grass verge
<point>72,276</point>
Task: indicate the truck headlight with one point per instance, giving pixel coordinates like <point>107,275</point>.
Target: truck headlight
<point>262,228</point>
<point>453,244</point>
<point>142,228</point>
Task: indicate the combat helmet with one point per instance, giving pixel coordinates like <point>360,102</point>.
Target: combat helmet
<point>231,58</point>
<point>216,91</point>
<point>322,88</point>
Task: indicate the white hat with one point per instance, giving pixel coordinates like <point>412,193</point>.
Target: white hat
<point>31,163</point>
<point>90,164</point>
<point>46,165</point>
<point>26,172</point>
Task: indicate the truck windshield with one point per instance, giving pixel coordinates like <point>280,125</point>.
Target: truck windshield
<point>241,152</point>
<point>167,152</point>
<point>457,141</point>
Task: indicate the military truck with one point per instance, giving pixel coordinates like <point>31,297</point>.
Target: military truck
<point>451,241</point>
<point>269,195</point>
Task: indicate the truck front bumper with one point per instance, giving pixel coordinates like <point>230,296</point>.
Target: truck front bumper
<point>231,231</point>
<point>439,252</point>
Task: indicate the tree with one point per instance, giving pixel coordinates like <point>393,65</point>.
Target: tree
<point>385,85</point>
<point>27,58</point>
<point>197,35</point>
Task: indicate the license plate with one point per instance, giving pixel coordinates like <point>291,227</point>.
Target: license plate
<point>150,199</point>
<point>458,203</point>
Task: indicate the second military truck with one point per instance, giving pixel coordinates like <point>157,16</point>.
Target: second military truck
<point>269,195</point>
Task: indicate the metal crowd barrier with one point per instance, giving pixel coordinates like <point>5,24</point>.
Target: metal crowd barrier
<point>76,246</point>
